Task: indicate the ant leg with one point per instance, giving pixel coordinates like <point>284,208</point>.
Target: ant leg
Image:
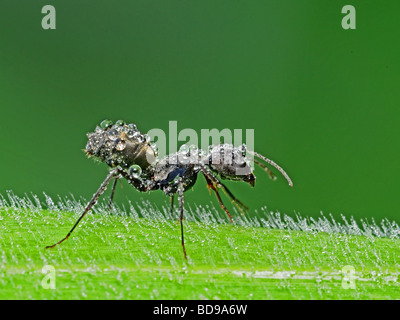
<point>235,201</point>
<point>112,193</point>
<point>172,205</point>
<point>90,205</point>
<point>211,185</point>
<point>217,182</point>
<point>181,201</point>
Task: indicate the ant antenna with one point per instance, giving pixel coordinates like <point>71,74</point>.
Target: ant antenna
<point>272,163</point>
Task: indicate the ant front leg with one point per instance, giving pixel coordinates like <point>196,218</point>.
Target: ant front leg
<point>210,184</point>
<point>213,182</point>
<point>90,205</point>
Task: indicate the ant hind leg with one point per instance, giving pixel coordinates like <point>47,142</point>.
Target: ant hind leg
<point>90,205</point>
<point>112,193</point>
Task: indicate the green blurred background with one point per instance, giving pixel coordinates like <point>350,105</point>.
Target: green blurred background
<point>323,101</point>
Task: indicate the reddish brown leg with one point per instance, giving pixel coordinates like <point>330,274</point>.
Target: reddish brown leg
<point>218,183</point>
<point>210,184</point>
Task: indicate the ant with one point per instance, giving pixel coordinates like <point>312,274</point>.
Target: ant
<point>131,156</point>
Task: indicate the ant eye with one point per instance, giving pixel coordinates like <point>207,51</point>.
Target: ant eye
<point>120,123</point>
<point>135,171</point>
<point>106,124</point>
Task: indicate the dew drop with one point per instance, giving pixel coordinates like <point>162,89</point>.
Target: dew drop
<point>113,134</point>
<point>130,133</point>
<point>193,149</point>
<point>184,149</point>
<point>135,171</point>
<point>120,145</point>
<point>132,126</point>
<point>139,137</point>
<point>105,124</point>
<point>88,147</point>
<point>146,138</point>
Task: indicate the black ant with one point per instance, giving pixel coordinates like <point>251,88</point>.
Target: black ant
<point>131,156</point>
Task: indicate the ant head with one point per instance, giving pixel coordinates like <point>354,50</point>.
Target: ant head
<point>120,144</point>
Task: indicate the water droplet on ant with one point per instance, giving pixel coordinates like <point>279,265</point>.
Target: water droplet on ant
<point>113,134</point>
<point>184,149</point>
<point>130,133</point>
<point>105,124</point>
<point>120,145</point>
<point>135,171</point>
